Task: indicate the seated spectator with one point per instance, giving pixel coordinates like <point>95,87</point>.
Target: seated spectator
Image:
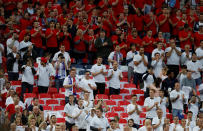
<point>52,124</point>
<point>130,125</point>
<point>88,85</point>
<point>10,96</point>
<point>37,115</point>
<point>35,102</point>
<point>112,126</point>
<point>13,127</point>
<point>177,99</point>
<point>199,125</point>
<point>190,123</point>
<point>175,123</point>
<point>182,74</point>
<point>29,54</point>
<point>115,56</point>
<point>186,55</point>
<point>19,116</point>
<point>183,126</point>
<point>12,109</point>
<point>32,124</point>
<point>158,50</point>
<point>88,104</point>
<point>133,111</point>
<point>114,77</point>
<point>195,67</point>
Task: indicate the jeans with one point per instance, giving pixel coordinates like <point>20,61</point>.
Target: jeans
<point>59,83</point>
<point>178,113</point>
<point>13,76</point>
<point>147,8</point>
<point>25,86</point>
<point>100,88</point>
<point>198,81</point>
<point>166,36</point>
<point>130,73</point>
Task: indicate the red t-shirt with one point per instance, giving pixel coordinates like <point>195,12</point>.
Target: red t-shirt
<point>21,35</point>
<point>184,34</point>
<point>10,6</point>
<point>165,26</point>
<point>37,40</point>
<point>137,41</point>
<point>11,110</point>
<point>159,3</point>
<point>117,8</point>
<point>175,28</point>
<point>149,48</point>
<point>79,46</point>
<point>91,47</point>
<point>139,3</point>
<point>138,22</point>
<point>51,41</point>
<point>152,27</point>
<point>198,37</point>
<point>24,23</point>
<point>65,40</point>
<point>123,50</point>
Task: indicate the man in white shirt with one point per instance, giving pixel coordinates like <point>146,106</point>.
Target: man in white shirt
<point>158,50</point>
<point>52,124</point>
<point>88,85</point>
<point>183,126</point>
<point>1,54</point>
<point>174,124</point>
<point>186,55</point>
<point>115,56</point>
<point>151,103</point>
<point>148,78</point>
<point>173,54</point>
<point>70,84</point>
<point>113,126</point>
<point>68,109</point>
<point>189,121</point>
<point>177,99</point>
<point>88,104</point>
<point>114,77</point>
<point>199,126</point>
<point>140,66</point>
<point>13,41</point>
<point>65,54</point>
<point>158,122</point>
<point>28,73</point>
<point>157,64</point>
<point>129,60</point>
<point>44,73</point>
<point>134,111</point>
<point>25,44</point>
<point>99,72</point>
<point>147,126</point>
<point>99,122</point>
<point>195,67</point>
<point>199,52</point>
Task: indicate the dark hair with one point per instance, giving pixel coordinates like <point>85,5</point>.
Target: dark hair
<point>60,55</point>
<point>133,95</point>
<point>112,120</point>
<point>52,116</point>
<point>189,112</point>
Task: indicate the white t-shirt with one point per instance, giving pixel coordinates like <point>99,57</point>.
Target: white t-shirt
<point>20,128</point>
<point>8,43</point>
<point>184,59</point>
<point>134,116</point>
<point>186,90</point>
<point>69,81</point>
<point>114,82</point>
<point>174,59</point>
<point>81,121</point>
<point>157,51</point>
<point>69,110</point>
<point>192,124</point>
<point>196,128</point>
<point>130,55</point>
<point>15,65</point>
<point>155,121</point>
<point>84,84</point>
<point>1,52</point>
<point>149,81</point>
<point>199,52</point>
<point>100,123</point>
<point>195,109</point>
<point>24,44</point>
<point>157,67</point>
<point>27,75</point>
<point>65,54</point>
<point>88,107</point>
<point>178,104</point>
<point>143,128</point>
<point>44,74</point>
<point>149,103</point>
<point>172,126</point>
<point>163,105</point>
<point>111,57</point>
<point>141,68</point>
<point>99,78</point>
<point>194,67</point>
<point>180,128</point>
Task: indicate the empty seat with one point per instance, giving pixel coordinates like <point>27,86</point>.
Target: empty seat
<point>18,90</point>
<point>102,96</point>
<point>15,83</point>
<point>130,85</point>
<point>29,95</point>
<point>62,102</point>
<point>142,115</point>
<point>128,97</point>
<point>44,96</point>
<point>123,103</point>
<point>58,108</point>
<point>47,108</point>
<point>110,103</point>
<point>62,90</point>
<point>111,114</point>
<point>59,96</point>
<point>122,121</point>
<point>52,90</point>
<point>137,91</point>
<point>124,91</point>
<point>118,109</point>
<point>61,120</point>
<point>52,102</point>
<point>116,97</point>
<point>169,116</point>
<point>124,115</point>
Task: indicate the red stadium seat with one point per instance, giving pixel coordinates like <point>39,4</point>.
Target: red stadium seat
<point>35,90</point>
<point>125,74</point>
<point>18,90</point>
<point>122,121</point>
<point>44,95</point>
<point>59,96</point>
<point>142,115</point>
<point>124,115</point>
<point>61,120</point>
<point>111,114</point>
<point>29,95</point>
<point>118,109</point>
<point>124,91</point>
<point>58,108</point>
<point>52,102</point>
<point>116,97</point>
<point>110,103</point>
<point>102,96</point>
<point>128,97</point>
<point>123,103</point>
<point>130,85</point>
<point>62,103</point>
<point>47,108</point>
<point>137,91</point>
<point>62,90</point>
<point>169,116</point>
<point>52,90</point>
<point>15,83</point>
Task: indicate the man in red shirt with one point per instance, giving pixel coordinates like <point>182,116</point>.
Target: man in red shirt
<point>134,39</point>
<point>186,37</point>
<point>198,36</point>
<point>164,23</point>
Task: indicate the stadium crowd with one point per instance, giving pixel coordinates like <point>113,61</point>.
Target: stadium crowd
<point>101,65</point>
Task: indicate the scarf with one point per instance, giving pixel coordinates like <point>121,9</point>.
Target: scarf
<point>73,89</point>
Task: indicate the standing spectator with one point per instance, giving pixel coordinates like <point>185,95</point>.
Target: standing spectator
<point>44,73</point>
<point>88,85</point>
<point>99,72</point>
<point>189,82</point>
<point>1,54</point>
<point>189,121</point>
<point>183,126</point>
<point>99,122</point>
<point>186,55</point>
<point>199,52</point>
<point>158,64</point>
<point>114,76</point>
<point>133,111</point>
<point>52,125</point>
<point>70,84</point>
<point>51,36</point>
<point>182,74</point>
<point>104,46</point>
<point>151,103</point>
<point>195,67</point>
<point>36,38</point>
<point>147,126</point>
<point>130,126</point>
<point>68,109</point>
<point>65,54</point>
<point>129,60</point>
<point>37,114</point>
<point>65,38</point>
<point>158,50</point>
<point>25,44</point>
<point>193,106</point>
<point>158,121</point>
<point>60,67</point>
<point>173,54</point>
<point>13,64</point>
<point>28,73</point>
<point>175,123</point>
<point>115,56</point>
<point>163,102</point>
<point>11,42</point>
<point>177,99</point>
<point>140,66</point>
<point>32,124</point>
